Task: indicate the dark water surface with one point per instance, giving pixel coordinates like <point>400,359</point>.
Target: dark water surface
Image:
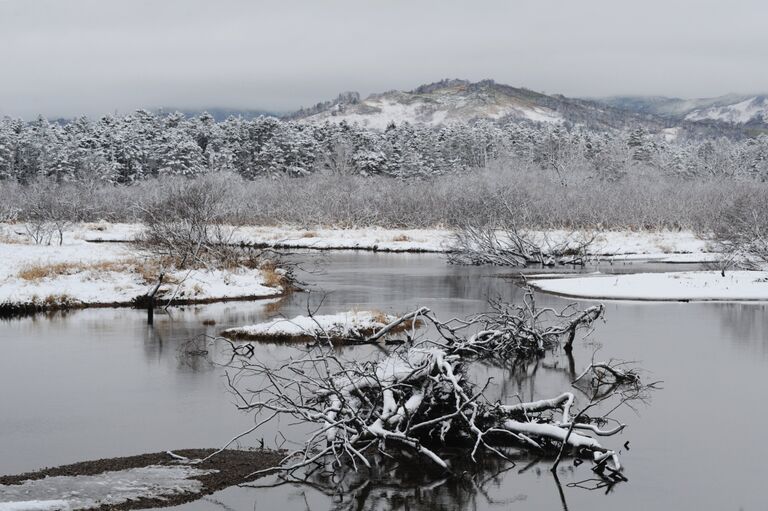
<point>100,383</point>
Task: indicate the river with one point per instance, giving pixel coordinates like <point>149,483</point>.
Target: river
<point>101,383</point>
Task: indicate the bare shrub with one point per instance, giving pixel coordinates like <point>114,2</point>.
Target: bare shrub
<point>504,191</point>
<point>186,221</point>
<point>8,213</point>
<point>49,208</point>
<point>510,246</point>
<point>742,232</point>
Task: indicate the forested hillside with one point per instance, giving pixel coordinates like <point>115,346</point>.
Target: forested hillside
<point>124,150</point>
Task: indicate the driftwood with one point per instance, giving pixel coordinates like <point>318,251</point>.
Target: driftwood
<point>418,399</point>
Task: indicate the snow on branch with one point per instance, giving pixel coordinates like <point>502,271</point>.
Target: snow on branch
<point>418,397</point>
<point>510,246</point>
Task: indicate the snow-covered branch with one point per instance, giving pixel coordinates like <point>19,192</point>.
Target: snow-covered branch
<point>418,397</point>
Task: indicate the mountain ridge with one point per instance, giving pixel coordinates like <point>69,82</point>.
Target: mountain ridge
<point>456,100</point>
<point>734,109</point>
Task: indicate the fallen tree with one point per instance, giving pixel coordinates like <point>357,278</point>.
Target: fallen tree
<point>418,398</point>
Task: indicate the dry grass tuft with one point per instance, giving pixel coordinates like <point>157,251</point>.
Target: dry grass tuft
<point>11,238</point>
<point>380,317</point>
<point>272,275</point>
<point>272,278</point>
<point>384,318</point>
<point>35,272</point>
<point>149,271</point>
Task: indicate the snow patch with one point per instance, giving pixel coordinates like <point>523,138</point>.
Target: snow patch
<point>352,324</point>
<point>737,113</point>
<point>107,488</point>
<point>433,108</point>
<point>673,286</point>
<point>36,505</point>
<point>108,273</point>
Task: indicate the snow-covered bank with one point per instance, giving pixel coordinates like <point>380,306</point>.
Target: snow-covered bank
<point>344,325</point>
<point>678,246</point>
<point>666,246</point>
<point>373,238</point>
<point>674,286</point>
<point>105,489</point>
<point>78,273</point>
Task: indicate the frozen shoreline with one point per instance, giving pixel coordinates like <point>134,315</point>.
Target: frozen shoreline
<point>88,273</point>
<point>661,246</point>
<point>82,274</point>
<point>672,286</point>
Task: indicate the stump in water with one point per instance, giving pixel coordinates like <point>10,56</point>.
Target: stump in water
<point>151,299</point>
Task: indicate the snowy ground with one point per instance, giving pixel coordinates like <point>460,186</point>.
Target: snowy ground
<point>108,488</point>
<point>667,246</point>
<point>352,324</point>
<point>673,286</point>
<point>111,273</point>
<point>81,273</point>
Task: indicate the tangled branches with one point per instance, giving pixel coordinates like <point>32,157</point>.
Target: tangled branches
<point>511,330</point>
<point>418,398</point>
<point>510,246</point>
<point>186,223</point>
<point>742,235</point>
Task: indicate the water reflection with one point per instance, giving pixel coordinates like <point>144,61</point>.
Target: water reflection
<point>400,485</point>
<point>746,325</point>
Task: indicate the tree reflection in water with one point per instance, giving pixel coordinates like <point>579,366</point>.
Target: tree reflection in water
<point>411,484</point>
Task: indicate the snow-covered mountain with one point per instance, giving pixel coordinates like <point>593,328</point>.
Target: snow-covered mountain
<point>461,101</point>
<point>732,109</point>
<point>750,110</point>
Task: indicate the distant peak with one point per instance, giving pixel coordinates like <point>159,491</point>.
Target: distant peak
<point>446,83</point>
<point>348,98</point>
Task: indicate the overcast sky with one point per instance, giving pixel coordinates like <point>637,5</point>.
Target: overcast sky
<point>69,57</point>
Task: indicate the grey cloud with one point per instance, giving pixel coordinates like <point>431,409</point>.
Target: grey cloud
<point>96,56</point>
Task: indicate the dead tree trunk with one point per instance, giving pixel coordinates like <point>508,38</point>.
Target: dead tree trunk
<point>151,299</point>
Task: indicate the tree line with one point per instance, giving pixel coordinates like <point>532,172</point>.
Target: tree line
<point>143,145</point>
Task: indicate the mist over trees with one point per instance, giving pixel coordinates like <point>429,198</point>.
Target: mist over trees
<point>143,145</point>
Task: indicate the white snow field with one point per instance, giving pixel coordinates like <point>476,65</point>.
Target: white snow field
<point>663,246</point>
<point>755,107</point>
<point>82,273</point>
<point>65,493</point>
<point>673,286</point>
<point>91,273</point>
<point>352,324</point>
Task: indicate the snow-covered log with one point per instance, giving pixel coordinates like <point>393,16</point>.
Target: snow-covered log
<point>418,398</point>
<point>351,327</point>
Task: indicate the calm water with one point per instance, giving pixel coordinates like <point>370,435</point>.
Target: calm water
<point>100,383</point>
